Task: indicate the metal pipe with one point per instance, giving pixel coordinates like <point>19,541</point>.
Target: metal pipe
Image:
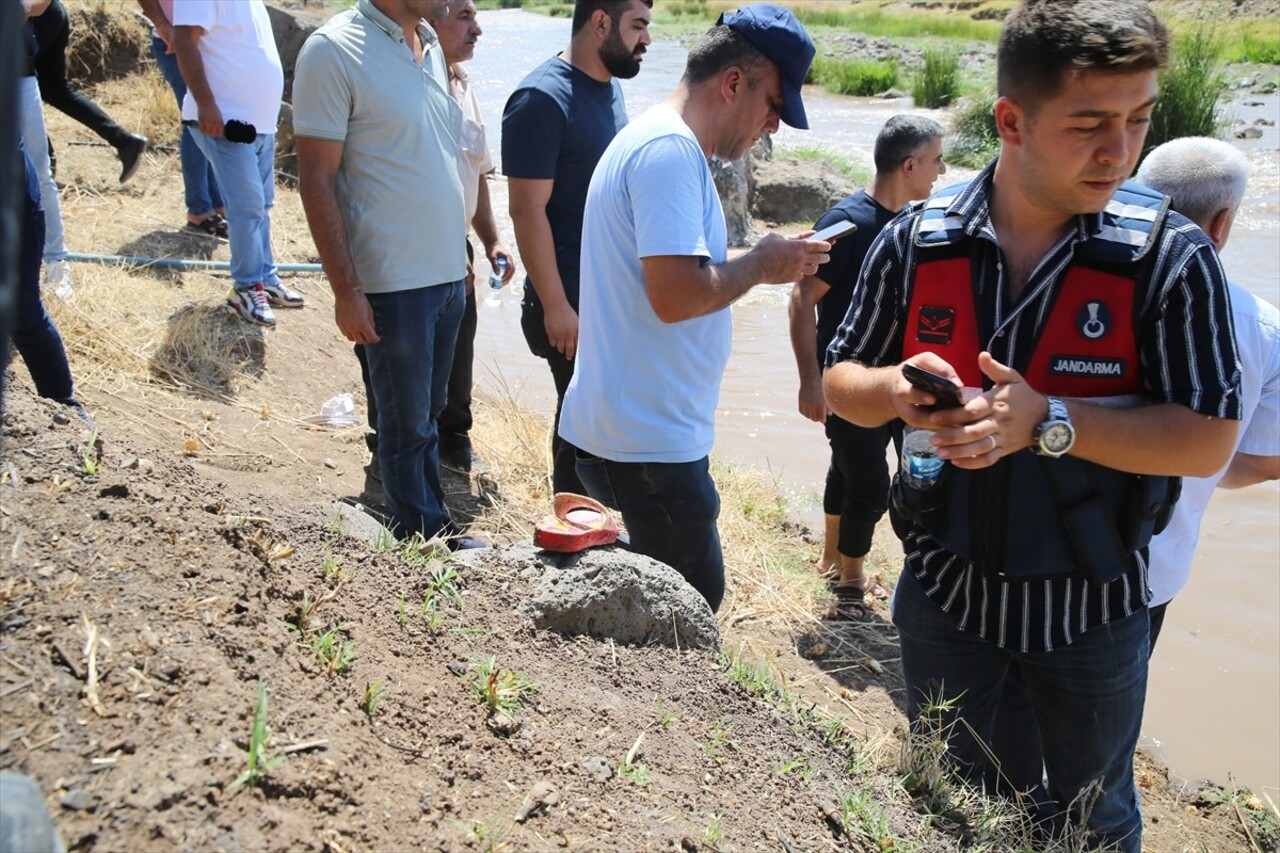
<point>180,264</point>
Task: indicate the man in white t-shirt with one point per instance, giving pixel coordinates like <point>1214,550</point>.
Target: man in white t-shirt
<point>1205,181</point>
<point>655,329</point>
<point>227,55</point>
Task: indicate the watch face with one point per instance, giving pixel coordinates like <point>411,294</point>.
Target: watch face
<point>1057,437</point>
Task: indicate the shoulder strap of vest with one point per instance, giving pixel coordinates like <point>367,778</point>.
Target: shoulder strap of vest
<point>1130,226</point>
<point>934,227</point>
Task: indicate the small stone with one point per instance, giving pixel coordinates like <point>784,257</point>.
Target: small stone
<point>329,463</point>
<point>61,418</point>
<point>77,799</point>
<point>1249,133</point>
<point>597,767</point>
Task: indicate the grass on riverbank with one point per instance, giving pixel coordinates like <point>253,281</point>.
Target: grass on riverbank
<point>852,76</point>
<point>840,162</point>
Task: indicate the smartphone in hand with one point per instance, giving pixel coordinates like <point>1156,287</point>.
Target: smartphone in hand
<point>833,232</point>
<point>943,389</point>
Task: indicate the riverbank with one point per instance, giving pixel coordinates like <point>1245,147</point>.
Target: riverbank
<point>165,575</point>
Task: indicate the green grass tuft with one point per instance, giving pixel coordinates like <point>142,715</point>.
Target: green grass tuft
<point>937,82</point>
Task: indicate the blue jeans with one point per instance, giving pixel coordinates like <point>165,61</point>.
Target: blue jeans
<point>34,335</point>
<point>409,372</point>
<point>246,174</point>
<point>670,510</point>
<point>34,136</point>
<point>1087,699</point>
<point>198,182</point>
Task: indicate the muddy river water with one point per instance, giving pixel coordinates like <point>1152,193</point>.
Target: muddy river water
<point>1213,708</point>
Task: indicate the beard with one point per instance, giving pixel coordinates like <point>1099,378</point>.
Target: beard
<point>618,60</point>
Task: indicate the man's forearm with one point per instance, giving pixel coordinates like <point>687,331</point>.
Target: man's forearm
<point>328,229</point>
<point>537,252</point>
<point>1247,469</point>
<point>861,394</point>
<point>804,337</point>
<point>1163,439</point>
<point>483,222</point>
<point>191,64</point>
<point>154,13</point>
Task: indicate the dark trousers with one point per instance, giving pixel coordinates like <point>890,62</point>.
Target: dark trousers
<point>409,371</point>
<point>564,475</point>
<point>57,91</point>
<point>1087,699</point>
<point>1019,755</point>
<point>670,510</point>
<point>857,487</point>
<point>455,421</point>
<point>33,333</point>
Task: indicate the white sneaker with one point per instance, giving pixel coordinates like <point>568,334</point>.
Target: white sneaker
<point>282,297</point>
<point>251,305</point>
<point>57,276</point>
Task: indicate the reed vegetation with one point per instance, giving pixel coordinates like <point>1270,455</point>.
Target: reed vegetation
<point>1189,91</point>
<point>973,140</point>
<point>853,77</point>
<point>937,82</point>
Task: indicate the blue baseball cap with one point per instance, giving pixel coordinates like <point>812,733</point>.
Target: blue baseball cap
<point>775,32</point>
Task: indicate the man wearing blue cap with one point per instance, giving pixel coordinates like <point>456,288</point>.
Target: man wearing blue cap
<point>655,331</point>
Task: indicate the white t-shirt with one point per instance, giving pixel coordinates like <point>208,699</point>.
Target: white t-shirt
<point>240,60</point>
<point>644,390</point>
<point>1257,325</point>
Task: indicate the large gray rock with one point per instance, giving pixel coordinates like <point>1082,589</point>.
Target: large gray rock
<point>736,186</point>
<point>789,190</point>
<point>611,593</point>
<point>289,33</point>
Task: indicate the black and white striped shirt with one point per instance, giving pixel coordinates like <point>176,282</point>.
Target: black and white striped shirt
<point>1187,349</point>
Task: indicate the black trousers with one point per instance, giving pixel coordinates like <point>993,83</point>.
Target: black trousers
<point>564,474</point>
<point>54,32</point>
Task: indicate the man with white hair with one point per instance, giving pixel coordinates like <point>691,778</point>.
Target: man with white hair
<point>1205,180</point>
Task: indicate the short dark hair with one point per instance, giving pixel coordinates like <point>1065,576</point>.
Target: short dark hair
<point>901,137</point>
<point>1043,40</point>
<point>719,48</point>
<point>584,9</point>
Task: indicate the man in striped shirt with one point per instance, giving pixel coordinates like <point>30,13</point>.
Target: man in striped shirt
<point>1099,332</point>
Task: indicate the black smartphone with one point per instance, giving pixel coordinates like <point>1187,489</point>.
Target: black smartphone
<point>946,391</point>
<point>239,131</point>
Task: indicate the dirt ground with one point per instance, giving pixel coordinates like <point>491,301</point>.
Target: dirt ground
<point>155,570</point>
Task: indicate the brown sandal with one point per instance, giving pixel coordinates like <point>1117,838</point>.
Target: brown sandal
<point>850,604</point>
<point>212,225</point>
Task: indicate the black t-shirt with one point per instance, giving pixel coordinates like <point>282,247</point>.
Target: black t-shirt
<point>841,272</point>
<point>556,125</point>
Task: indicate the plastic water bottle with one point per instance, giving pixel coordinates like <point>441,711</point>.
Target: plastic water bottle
<point>921,468</point>
<point>496,282</point>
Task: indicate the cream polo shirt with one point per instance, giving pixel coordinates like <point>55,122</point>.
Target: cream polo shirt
<point>475,160</point>
<point>402,201</point>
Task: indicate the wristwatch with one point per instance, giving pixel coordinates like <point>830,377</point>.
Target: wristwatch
<point>1055,435</point>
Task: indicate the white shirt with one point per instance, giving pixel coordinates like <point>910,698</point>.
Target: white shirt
<point>240,60</point>
<point>1257,325</point>
<point>474,157</point>
<point>644,390</point>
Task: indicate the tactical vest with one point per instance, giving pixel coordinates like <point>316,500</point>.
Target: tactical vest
<point>1031,517</point>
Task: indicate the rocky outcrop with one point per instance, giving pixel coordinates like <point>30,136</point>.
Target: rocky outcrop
<point>789,190</point>
<point>607,593</point>
<point>783,190</point>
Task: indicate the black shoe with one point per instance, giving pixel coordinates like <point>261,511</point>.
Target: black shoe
<point>131,156</point>
<point>465,543</point>
<point>457,455</point>
<point>79,411</point>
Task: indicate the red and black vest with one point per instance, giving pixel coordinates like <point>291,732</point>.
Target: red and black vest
<point>1029,517</point>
